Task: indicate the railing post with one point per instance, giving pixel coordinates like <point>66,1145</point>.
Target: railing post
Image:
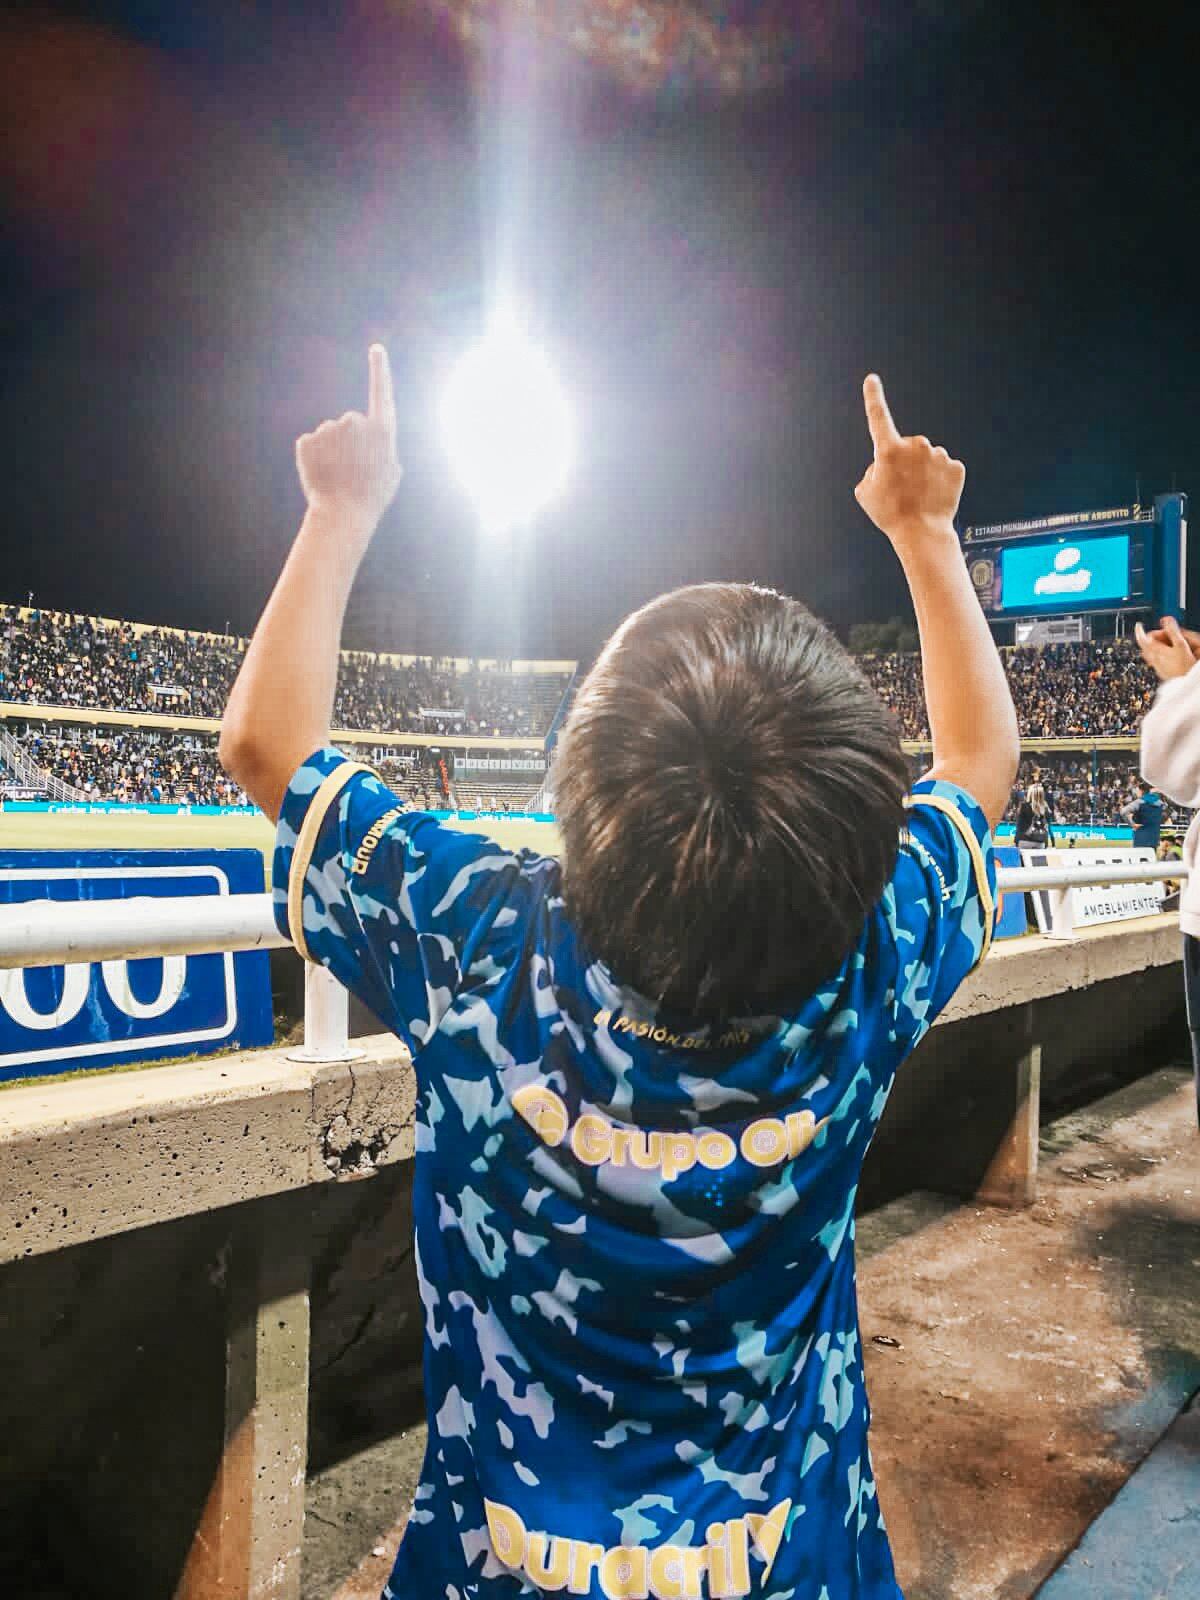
<point>326,1019</point>
<point>248,1543</point>
<point>1011,1177</point>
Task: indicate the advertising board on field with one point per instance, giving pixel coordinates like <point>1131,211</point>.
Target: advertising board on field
<point>94,1014</point>
<point>1060,912</point>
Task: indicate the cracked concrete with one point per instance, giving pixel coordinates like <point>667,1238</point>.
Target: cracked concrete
<point>372,1127</point>
<point>133,1149</point>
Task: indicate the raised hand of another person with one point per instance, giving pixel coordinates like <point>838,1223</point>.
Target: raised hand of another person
<point>1168,650</point>
<point>912,488</point>
<point>348,468</point>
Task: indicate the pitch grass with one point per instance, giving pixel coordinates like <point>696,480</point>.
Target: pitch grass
<point>36,830</point>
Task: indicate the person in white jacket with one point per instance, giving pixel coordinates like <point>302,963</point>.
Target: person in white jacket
<point>1171,762</point>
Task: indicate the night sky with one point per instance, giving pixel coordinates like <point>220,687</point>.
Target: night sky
<point>204,222</point>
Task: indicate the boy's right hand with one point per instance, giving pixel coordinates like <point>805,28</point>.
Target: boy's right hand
<point>911,490</point>
<point>349,468</point>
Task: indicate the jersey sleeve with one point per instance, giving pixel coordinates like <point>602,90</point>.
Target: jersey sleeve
<point>938,912</point>
<point>397,906</point>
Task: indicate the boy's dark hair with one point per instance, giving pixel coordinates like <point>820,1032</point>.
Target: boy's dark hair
<point>730,792</point>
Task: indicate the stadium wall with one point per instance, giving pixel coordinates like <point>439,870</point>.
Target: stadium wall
<point>141,1214</point>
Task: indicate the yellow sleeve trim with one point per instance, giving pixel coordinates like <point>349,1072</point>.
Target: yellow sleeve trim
<point>938,802</point>
<point>318,808</point>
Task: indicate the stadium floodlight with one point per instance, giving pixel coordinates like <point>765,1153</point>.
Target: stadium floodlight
<point>507,429</point>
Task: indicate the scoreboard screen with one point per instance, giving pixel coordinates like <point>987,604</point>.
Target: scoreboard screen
<point>1123,558</point>
<point>1064,574</point>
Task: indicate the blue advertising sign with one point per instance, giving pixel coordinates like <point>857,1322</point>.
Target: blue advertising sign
<point>1071,833</point>
<point>1064,573</point>
<point>1011,917</point>
<point>93,1014</point>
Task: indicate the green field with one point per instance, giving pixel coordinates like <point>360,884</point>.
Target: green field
<point>78,831</point>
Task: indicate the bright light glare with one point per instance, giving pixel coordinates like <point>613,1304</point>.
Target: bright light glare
<point>507,428</point>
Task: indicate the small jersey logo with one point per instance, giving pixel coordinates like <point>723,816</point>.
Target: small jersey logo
<point>543,1111</point>
<point>366,849</point>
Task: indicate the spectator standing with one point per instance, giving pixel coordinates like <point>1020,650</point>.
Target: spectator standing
<point>1145,812</point>
<point>1171,762</point>
<point>1034,817</point>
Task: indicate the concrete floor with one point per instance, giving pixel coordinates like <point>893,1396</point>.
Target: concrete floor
<point>1145,1543</point>
<point>1041,1356</point>
<point>1043,1352</point>
<point>353,1518</point>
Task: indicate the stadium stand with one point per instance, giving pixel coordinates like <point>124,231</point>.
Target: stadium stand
<point>89,662</point>
<point>132,766</point>
<point>85,761</point>
<point>97,664</point>
<point>1096,689</point>
<point>1087,786</point>
<point>1074,692</point>
<point>508,793</point>
<point>94,762</point>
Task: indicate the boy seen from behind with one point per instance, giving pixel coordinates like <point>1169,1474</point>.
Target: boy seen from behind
<point>647,1076</point>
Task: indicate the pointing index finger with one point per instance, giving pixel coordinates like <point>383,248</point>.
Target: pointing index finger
<point>381,405</point>
<point>879,418</point>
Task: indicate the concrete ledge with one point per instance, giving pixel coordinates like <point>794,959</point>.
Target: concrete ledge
<point>1034,968</point>
<point>97,1156</point>
<point>87,1159</point>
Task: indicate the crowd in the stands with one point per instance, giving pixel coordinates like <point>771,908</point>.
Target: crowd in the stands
<point>134,766</point>
<point>137,766</point>
<point>1082,790</point>
<point>50,658</point>
<point>55,659</point>
<point>1063,691</point>
<point>140,766</point>
<point>1085,690</point>
<point>425,697</point>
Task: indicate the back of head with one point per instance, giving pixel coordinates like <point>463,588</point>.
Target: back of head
<point>730,792</point>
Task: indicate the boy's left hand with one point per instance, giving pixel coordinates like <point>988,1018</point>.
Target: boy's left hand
<point>348,468</point>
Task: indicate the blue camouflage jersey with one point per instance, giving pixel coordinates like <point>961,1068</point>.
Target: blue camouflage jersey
<point>635,1235</point>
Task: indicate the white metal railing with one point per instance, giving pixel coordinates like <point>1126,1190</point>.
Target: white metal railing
<point>42,933</point>
<point>47,932</point>
<point>1013,879</point>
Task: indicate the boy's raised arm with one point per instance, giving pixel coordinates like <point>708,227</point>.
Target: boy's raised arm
<point>281,706</point>
<point>911,492</point>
